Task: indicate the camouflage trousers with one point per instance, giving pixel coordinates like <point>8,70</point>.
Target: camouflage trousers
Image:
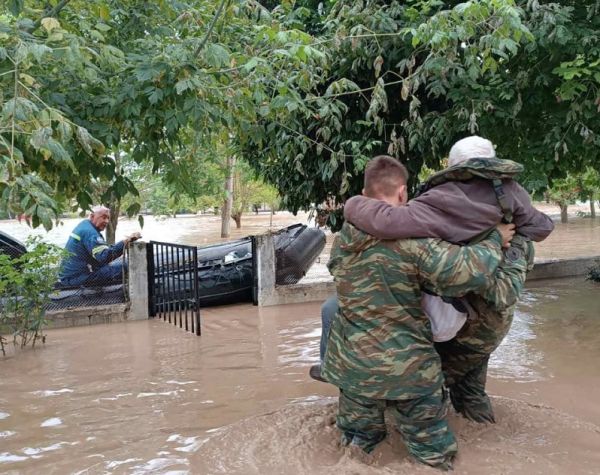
<point>465,362</point>
<point>465,357</point>
<point>421,422</point>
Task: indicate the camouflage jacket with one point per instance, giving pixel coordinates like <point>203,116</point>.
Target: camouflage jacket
<point>380,344</point>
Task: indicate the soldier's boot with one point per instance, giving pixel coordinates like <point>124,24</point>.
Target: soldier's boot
<point>361,421</point>
<point>424,428</point>
<point>315,373</point>
<point>367,444</point>
<point>469,398</point>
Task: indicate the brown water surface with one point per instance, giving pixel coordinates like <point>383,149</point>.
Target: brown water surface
<point>579,237</point>
<point>146,397</point>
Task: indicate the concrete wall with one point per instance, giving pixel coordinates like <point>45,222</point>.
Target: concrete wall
<point>136,285</point>
<point>80,316</point>
<point>556,268</point>
<point>268,293</point>
<point>137,282</point>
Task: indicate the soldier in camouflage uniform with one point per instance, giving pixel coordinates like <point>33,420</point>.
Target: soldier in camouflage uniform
<point>458,204</point>
<point>380,351</point>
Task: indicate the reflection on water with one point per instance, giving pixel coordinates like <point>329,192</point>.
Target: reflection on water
<point>516,358</point>
<point>144,397</point>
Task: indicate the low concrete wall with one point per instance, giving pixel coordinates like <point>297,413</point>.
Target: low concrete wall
<point>316,291</point>
<point>557,268</point>
<point>267,292</point>
<point>135,309</point>
<point>319,291</point>
<point>79,316</point>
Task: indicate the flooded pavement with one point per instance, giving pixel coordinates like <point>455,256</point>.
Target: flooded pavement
<point>146,397</point>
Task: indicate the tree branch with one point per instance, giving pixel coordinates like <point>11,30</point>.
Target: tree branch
<point>210,28</point>
<point>52,13</point>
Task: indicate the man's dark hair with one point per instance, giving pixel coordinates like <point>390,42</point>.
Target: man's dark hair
<point>383,176</point>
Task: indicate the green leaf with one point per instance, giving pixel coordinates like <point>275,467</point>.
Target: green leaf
<point>39,138</point>
<point>264,110</point>
<point>103,27</point>
<point>216,56</point>
<point>15,6</point>
<point>133,209</point>
<point>22,109</point>
<point>155,95</point>
<point>183,85</point>
<point>59,153</point>
<point>65,131</point>
<point>89,143</point>
<point>251,64</point>
<point>50,24</point>
<point>96,35</point>
<point>38,51</point>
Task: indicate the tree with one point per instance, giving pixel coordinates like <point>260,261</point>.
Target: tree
<point>410,78</point>
<point>247,190</point>
<point>39,144</point>
<point>590,188</point>
<point>86,80</point>
<point>564,191</point>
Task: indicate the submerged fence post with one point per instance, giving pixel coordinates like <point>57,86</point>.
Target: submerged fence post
<point>138,281</point>
<point>263,250</point>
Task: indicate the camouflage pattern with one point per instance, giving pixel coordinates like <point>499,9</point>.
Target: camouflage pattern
<point>465,358</point>
<point>380,349</point>
<point>380,343</point>
<point>489,168</point>
<point>422,423</point>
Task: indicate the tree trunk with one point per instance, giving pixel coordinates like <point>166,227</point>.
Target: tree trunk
<point>228,203</point>
<point>564,217</point>
<point>114,204</point>
<point>111,229</point>
<point>592,206</point>
<point>237,217</point>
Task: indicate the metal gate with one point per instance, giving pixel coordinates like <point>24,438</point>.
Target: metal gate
<point>173,284</point>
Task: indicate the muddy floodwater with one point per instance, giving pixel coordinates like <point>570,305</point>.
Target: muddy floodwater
<point>146,397</point>
<point>579,237</point>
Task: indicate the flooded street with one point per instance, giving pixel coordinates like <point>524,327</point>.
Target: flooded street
<point>146,397</point>
<point>195,230</point>
<point>579,237</point>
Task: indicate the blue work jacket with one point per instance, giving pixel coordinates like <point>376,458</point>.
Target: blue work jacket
<point>88,252</point>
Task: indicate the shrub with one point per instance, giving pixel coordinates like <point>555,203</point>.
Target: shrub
<point>594,274</point>
<point>25,286</point>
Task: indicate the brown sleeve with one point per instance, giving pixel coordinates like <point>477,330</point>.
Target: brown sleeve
<point>385,221</point>
<point>529,221</point>
<point>443,212</point>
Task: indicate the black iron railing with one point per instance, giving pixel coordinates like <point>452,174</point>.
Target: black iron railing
<point>173,284</point>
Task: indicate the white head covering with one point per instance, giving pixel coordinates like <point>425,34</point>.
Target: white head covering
<point>470,147</point>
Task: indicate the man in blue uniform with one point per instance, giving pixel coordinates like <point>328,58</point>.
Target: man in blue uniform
<point>91,260</point>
